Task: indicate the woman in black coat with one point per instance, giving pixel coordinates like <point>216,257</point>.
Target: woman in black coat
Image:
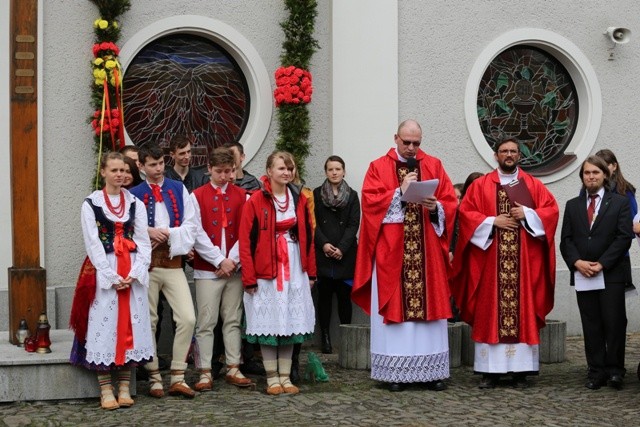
<point>337,212</point>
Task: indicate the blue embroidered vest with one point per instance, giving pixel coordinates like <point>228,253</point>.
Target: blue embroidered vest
<point>107,228</point>
<point>170,188</point>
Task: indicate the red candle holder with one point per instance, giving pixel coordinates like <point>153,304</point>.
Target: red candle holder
<point>42,334</point>
<point>31,344</point>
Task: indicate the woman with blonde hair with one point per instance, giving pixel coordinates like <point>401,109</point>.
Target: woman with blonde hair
<point>110,312</point>
<point>278,270</point>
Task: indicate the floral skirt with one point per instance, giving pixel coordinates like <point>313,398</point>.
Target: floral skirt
<point>78,357</point>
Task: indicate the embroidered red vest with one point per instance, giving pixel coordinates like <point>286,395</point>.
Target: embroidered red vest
<point>211,217</point>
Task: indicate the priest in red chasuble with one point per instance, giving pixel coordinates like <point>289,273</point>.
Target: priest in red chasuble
<point>402,265</point>
<point>504,267</point>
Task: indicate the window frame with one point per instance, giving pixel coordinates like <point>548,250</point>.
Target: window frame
<point>238,47</point>
<point>584,79</point>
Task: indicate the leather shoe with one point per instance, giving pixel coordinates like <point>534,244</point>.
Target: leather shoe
<point>294,375</point>
<point>235,377</point>
<point>202,386</point>
<point>594,384</point>
<point>156,392</point>
<point>520,381</point>
<point>438,385</point>
<point>615,381</point>
<point>107,399</point>
<point>181,389</point>
<point>326,342</point>
<point>488,381</point>
<point>395,387</point>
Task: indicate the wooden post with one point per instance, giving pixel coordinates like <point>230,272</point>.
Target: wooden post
<point>553,341</point>
<point>27,280</point>
<point>455,344</point>
<point>355,346</point>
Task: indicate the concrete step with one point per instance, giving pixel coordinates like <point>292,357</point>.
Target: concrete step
<point>33,376</point>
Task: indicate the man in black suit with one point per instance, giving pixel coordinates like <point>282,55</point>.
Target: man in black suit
<point>596,235</point>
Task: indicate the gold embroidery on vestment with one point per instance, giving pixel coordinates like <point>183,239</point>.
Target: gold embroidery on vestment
<point>413,263</point>
<point>508,277</point>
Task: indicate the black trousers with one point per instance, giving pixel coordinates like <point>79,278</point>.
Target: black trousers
<point>604,325</point>
<point>326,288</point>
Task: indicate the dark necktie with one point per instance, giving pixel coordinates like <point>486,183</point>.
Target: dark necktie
<point>591,210</point>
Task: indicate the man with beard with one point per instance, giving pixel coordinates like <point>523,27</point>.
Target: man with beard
<point>596,235</point>
<point>504,267</point>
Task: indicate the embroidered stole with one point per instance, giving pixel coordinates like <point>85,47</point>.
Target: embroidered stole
<point>413,280</point>
<point>508,253</point>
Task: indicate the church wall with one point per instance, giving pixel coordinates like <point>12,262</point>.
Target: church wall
<point>67,138</point>
<point>437,45</point>
<point>440,41</point>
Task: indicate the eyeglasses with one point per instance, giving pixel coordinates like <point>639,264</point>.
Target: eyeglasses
<point>507,151</point>
<point>408,143</point>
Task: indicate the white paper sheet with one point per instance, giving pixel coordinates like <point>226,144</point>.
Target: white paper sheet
<point>588,283</point>
<point>418,190</point>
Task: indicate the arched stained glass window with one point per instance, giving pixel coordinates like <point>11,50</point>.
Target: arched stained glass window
<point>185,84</point>
<point>528,94</point>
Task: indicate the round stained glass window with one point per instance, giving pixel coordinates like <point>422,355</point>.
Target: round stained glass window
<point>527,94</point>
<point>188,85</point>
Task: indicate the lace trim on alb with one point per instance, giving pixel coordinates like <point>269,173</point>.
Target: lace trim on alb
<point>410,369</point>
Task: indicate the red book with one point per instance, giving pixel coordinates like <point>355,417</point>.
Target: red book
<point>517,191</point>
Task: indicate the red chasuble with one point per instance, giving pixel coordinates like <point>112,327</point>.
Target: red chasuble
<point>405,292</point>
<point>497,313</point>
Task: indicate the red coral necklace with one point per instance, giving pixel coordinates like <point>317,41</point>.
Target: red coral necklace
<point>282,206</point>
<point>118,211</point>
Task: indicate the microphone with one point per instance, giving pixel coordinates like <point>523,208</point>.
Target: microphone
<point>412,163</point>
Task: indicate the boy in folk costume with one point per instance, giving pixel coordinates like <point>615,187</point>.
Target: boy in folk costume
<point>219,287</point>
<point>171,227</point>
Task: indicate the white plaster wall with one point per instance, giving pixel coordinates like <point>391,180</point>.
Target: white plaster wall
<point>5,176</point>
<point>364,82</point>
<point>68,145</point>
<point>439,43</point>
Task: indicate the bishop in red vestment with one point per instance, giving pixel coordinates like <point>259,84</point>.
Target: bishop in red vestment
<point>504,267</point>
<point>402,265</point>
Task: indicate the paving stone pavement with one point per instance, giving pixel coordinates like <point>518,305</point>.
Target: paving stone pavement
<point>557,397</point>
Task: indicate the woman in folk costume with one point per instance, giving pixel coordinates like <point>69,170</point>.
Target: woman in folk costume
<point>278,271</point>
<point>110,312</point>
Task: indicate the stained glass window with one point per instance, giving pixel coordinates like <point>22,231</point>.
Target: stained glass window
<point>527,94</point>
<point>185,84</point>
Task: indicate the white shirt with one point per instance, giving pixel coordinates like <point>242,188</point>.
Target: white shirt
<point>532,223</point>
<point>181,238</point>
<point>209,252</point>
